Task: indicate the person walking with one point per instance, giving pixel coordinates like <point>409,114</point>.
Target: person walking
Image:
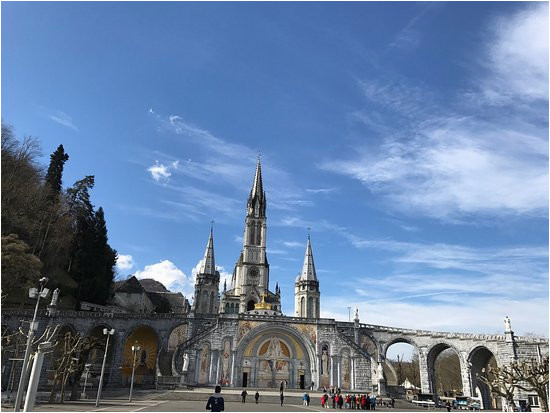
<point>215,402</point>
<point>257,396</point>
<point>243,395</point>
<point>282,398</point>
<point>304,398</point>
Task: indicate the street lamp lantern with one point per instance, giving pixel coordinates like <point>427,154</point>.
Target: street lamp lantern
<point>38,293</point>
<point>135,350</point>
<point>108,333</point>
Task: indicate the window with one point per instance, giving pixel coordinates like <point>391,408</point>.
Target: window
<point>533,400</point>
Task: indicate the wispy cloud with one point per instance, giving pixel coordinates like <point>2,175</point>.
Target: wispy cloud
<point>409,37</point>
<point>227,162</point>
<point>460,160</point>
<point>321,190</point>
<point>63,119</point>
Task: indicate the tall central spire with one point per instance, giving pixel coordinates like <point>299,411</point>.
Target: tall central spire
<point>256,199</point>
<point>208,266</point>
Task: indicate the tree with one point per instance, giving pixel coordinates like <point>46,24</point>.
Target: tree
<point>71,354</point>
<point>533,376</point>
<point>93,260</point>
<point>524,375</point>
<point>20,269</point>
<point>54,175</point>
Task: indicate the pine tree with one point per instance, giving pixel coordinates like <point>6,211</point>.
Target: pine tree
<point>54,175</point>
<point>93,260</point>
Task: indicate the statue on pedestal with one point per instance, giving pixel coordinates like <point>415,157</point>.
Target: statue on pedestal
<point>507,325</point>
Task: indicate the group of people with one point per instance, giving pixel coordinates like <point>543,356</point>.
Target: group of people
<point>350,401</point>
<point>337,399</point>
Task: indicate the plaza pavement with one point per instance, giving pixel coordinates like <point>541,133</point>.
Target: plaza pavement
<point>195,401</point>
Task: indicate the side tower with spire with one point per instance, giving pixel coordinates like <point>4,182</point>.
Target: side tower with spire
<point>250,281</point>
<point>306,289</point>
<point>205,301</point>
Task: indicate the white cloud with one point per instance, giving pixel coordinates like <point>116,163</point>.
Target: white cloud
<point>160,172</point>
<point>470,314</point>
<point>518,56</point>
<point>457,166</point>
<point>170,276</point>
<point>451,161</point>
<point>294,244</point>
<point>124,262</point>
<point>63,119</point>
<point>321,190</point>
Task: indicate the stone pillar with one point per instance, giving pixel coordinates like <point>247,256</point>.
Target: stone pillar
<point>116,358</point>
<point>352,362</point>
<point>210,368</point>
<point>338,361</point>
<point>466,375</point>
<point>218,368</point>
<point>232,368</point>
<point>423,367</point>
<point>197,365</point>
<point>331,370</point>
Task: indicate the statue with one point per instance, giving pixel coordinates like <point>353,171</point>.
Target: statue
<point>55,296</point>
<point>356,314</point>
<point>324,362</point>
<point>507,325</point>
<point>185,362</point>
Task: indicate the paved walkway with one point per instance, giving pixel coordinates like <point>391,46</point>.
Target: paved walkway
<point>195,401</point>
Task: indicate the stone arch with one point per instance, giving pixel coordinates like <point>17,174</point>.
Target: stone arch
<point>176,337</point>
<point>296,363</point>
<point>384,349</point>
<point>432,354</point>
<point>390,373</point>
<point>148,340</point>
<point>479,358</point>
<point>96,355</point>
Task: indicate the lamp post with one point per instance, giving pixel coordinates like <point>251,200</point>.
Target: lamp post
<point>87,372</point>
<point>107,333</point>
<point>349,313</point>
<point>135,349</point>
<point>42,292</point>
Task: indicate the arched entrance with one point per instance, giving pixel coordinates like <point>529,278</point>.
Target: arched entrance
<point>146,358</point>
<point>401,368</point>
<point>271,355</point>
<point>482,358</point>
<point>444,371</point>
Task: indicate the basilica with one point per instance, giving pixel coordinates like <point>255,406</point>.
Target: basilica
<point>251,342</point>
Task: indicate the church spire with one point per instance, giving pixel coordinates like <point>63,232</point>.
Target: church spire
<point>208,266</point>
<point>256,199</point>
<point>308,269</point>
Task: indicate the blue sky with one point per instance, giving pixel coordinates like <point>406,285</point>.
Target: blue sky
<point>411,137</point>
